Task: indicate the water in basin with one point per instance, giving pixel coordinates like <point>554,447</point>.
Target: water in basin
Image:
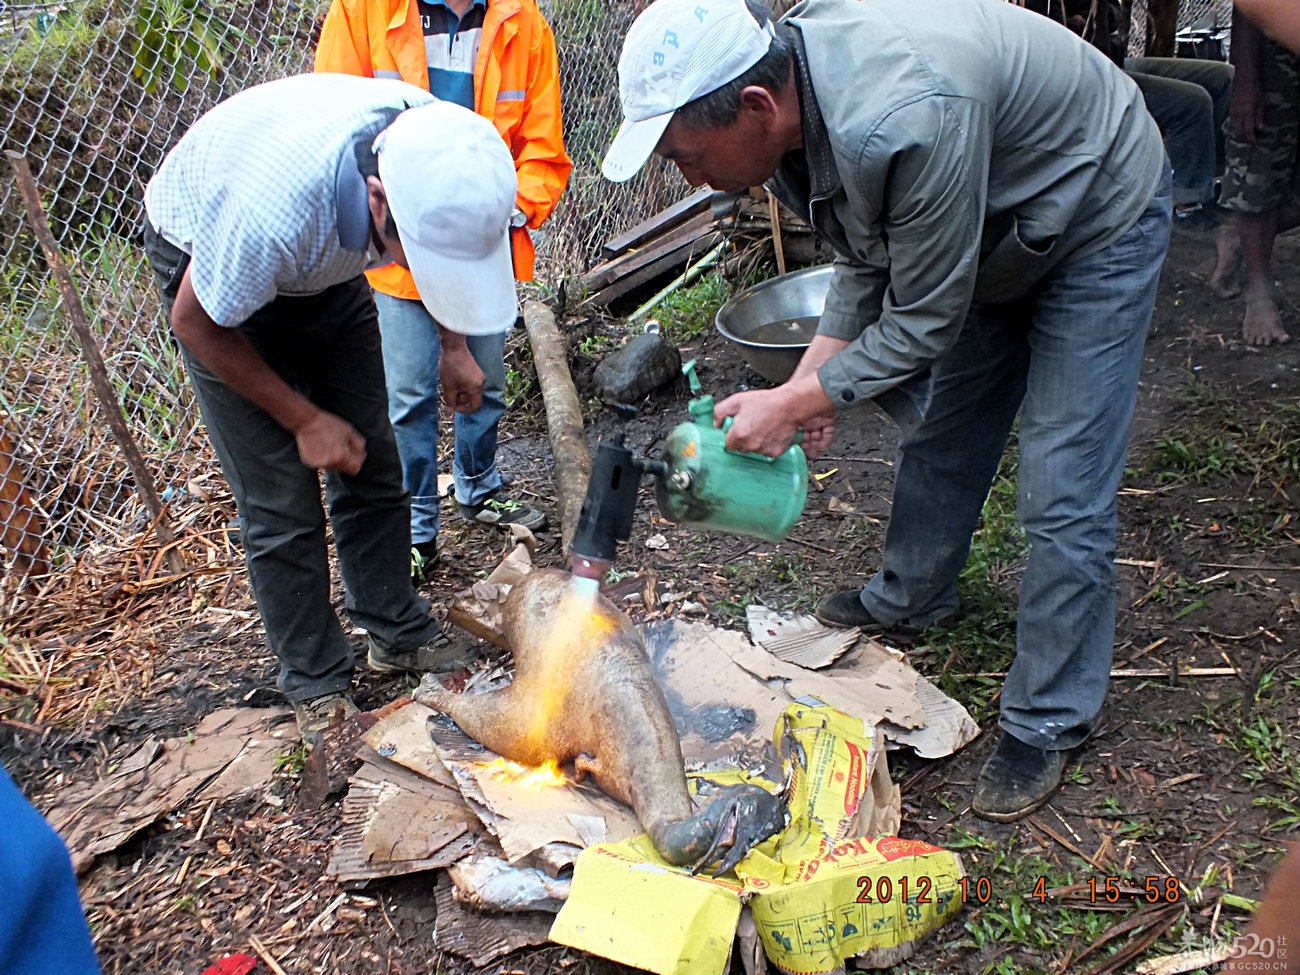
<point>788,331</point>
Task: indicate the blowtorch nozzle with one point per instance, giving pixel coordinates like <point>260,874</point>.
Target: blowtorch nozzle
<point>608,508</point>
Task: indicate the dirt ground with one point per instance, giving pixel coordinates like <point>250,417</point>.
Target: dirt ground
<point>1184,775</point>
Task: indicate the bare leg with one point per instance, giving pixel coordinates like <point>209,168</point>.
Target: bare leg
<point>1262,324</point>
<point>1227,260</point>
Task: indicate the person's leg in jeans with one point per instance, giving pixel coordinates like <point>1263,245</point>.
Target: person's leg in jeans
<point>1214,76</point>
<point>410,353</point>
<point>1185,114</point>
<point>944,467</point>
<point>474,467</point>
<point>1089,327</point>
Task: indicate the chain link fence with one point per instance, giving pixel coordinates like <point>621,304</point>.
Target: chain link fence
<point>95,92</point>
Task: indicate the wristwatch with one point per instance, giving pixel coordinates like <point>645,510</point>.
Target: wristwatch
<point>518,219</point>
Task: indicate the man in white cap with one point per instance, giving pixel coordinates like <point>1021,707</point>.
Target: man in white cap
<point>261,222</point>
<point>998,199</point>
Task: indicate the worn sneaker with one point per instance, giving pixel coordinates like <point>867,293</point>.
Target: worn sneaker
<point>1016,780</point>
<point>498,510</point>
<point>441,654</point>
<point>424,559</point>
<point>316,714</point>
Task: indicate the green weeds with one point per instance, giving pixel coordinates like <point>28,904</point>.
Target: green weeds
<point>1265,736</point>
<point>1218,436</point>
<point>688,313</point>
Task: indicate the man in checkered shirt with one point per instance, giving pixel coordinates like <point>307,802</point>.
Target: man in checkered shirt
<point>261,222</point>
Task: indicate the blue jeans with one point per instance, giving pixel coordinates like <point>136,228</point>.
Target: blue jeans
<point>1189,98</point>
<point>1066,358</point>
<point>411,350</point>
<point>327,347</point>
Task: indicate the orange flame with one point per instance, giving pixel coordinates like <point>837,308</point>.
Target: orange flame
<point>544,776</point>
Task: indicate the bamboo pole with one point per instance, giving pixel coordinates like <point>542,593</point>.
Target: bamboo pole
<point>563,416</point>
<point>773,209</point>
<point>94,361</point>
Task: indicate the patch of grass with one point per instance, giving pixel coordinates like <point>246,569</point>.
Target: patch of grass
<point>688,313</point>
<point>1218,434</point>
<point>595,345</point>
<point>291,762</point>
<point>1270,745</point>
<point>523,394</point>
<point>783,578</point>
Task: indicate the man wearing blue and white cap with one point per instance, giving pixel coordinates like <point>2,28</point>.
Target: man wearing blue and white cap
<point>261,221</point>
<point>998,200</point>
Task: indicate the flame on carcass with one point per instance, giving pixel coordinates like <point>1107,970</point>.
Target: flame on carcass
<point>544,776</point>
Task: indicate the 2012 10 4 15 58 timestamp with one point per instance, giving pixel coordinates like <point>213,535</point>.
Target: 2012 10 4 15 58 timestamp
<point>1098,890</point>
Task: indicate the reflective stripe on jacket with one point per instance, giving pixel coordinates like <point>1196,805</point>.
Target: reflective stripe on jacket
<point>516,86</point>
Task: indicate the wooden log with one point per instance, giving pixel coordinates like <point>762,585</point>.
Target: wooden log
<point>563,416</point>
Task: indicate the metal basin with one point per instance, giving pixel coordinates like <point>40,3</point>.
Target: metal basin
<point>772,323</point>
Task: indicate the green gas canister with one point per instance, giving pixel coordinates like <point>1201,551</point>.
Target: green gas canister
<point>707,486</point>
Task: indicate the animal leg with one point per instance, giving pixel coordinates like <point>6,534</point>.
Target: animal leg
<point>497,720</point>
<point>584,765</point>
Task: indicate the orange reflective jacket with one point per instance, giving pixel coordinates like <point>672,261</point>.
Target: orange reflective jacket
<point>516,85</point>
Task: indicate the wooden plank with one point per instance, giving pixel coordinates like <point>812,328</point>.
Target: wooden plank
<point>676,257</point>
<point>603,275</point>
<point>652,227</point>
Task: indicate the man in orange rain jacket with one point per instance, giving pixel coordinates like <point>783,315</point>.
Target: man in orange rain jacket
<point>498,58</point>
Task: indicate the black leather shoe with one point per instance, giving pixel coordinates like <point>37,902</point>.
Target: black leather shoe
<point>1016,780</point>
<point>845,609</point>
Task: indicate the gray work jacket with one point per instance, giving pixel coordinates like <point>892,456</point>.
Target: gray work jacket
<point>954,150</point>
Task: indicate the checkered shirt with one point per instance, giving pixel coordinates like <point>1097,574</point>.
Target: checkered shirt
<point>254,190</point>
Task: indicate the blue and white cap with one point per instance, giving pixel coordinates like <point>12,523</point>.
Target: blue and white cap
<point>674,53</point>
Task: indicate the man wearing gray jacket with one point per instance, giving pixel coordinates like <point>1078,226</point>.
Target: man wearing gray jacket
<point>998,199</point>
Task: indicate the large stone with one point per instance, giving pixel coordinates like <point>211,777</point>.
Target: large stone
<point>637,369</point>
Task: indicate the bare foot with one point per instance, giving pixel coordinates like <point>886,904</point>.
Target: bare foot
<point>1263,325</point>
<point>1227,262</point>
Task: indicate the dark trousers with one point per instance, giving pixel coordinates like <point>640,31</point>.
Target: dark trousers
<point>326,346</point>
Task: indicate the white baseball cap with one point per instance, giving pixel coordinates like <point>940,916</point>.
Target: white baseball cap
<point>451,185</point>
<point>675,52</point>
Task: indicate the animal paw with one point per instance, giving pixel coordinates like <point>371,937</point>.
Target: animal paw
<point>740,817</point>
<point>431,693</point>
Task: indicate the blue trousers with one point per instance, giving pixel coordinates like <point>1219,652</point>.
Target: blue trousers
<point>42,928</point>
<point>1189,98</point>
<point>411,353</point>
<point>1066,359</point>
<point>327,347</point>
